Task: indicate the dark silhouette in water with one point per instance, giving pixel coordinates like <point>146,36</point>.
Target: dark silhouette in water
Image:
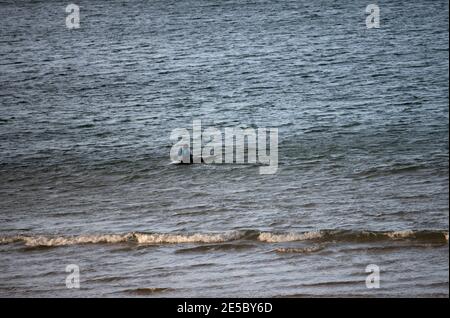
<point>190,161</point>
<point>186,156</point>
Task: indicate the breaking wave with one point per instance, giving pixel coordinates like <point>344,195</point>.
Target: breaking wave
<point>304,250</point>
<point>180,238</point>
<point>437,236</point>
<point>355,236</point>
<point>139,238</point>
<point>289,237</point>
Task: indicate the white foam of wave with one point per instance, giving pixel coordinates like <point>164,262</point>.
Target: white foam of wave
<point>192,238</point>
<point>167,238</point>
<point>400,234</point>
<point>304,250</point>
<point>73,240</point>
<point>289,237</point>
<point>9,239</point>
<point>140,238</point>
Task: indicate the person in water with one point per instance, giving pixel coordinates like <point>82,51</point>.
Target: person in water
<point>186,155</point>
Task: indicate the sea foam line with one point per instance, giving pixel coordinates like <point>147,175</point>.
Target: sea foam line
<point>205,238</point>
<point>289,237</point>
<point>140,238</point>
<point>193,238</point>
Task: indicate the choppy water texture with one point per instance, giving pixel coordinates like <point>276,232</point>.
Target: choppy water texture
<point>85,120</point>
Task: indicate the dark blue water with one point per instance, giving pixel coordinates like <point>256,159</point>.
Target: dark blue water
<point>86,179</point>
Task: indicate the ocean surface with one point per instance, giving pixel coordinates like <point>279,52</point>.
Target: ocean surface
<point>85,174</point>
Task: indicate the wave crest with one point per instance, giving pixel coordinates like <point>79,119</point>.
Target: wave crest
<point>436,236</point>
<point>42,240</point>
<point>289,237</point>
<point>192,238</point>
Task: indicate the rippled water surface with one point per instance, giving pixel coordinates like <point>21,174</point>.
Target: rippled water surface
<point>86,179</point>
